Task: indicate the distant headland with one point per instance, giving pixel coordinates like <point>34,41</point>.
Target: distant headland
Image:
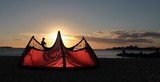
<point>6,47</point>
<point>10,47</point>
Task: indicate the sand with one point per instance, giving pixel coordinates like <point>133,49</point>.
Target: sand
<point>110,70</point>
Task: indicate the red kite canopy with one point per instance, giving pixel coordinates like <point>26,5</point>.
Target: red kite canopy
<point>58,56</point>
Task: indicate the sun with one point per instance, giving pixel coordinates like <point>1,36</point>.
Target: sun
<point>67,39</point>
<point>52,35</point>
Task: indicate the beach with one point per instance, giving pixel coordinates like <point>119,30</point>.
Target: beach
<point>109,70</point>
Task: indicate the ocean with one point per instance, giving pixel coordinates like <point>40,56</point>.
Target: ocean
<point>99,53</point>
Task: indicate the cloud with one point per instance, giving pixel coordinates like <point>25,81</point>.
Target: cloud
<point>137,34</point>
<point>111,36</point>
<point>17,39</point>
<point>31,34</point>
<point>151,34</point>
<point>48,36</point>
<point>121,36</point>
<point>116,40</point>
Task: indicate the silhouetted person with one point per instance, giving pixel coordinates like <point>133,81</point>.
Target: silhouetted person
<point>124,52</point>
<point>141,53</point>
<point>43,43</point>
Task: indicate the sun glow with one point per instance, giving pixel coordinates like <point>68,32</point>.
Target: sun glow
<point>67,40</point>
<point>52,36</point>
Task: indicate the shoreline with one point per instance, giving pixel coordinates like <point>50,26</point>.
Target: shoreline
<point>110,69</point>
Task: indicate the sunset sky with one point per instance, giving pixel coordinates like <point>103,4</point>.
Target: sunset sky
<point>104,23</point>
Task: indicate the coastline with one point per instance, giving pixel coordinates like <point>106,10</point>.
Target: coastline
<point>110,69</point>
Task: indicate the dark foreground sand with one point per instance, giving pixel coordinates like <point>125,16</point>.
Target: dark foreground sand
<point>110,70</point>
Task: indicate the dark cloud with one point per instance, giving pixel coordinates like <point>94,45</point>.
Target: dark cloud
<point>135,34</point>
<point>151,34</point>
<point>122,37</point>
<point>125,34</point>
<point>117,40</point>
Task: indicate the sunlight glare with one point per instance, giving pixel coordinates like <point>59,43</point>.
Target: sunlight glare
<point>67,40</point>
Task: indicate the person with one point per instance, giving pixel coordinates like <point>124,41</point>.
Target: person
<point>43,43</point>
<point>123,52</point>
<point>141,53</point>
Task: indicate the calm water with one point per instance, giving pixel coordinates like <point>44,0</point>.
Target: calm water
<point>99,53</point>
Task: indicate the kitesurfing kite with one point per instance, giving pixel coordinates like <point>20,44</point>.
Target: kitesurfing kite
<point>58,56</point>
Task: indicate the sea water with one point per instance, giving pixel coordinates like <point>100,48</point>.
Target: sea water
<point>11,51</point>
<point>99,53</point>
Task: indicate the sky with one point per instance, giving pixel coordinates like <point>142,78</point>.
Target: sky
<point>104,23</point>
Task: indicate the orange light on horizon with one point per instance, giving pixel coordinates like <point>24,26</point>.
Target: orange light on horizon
<point>67,40</point>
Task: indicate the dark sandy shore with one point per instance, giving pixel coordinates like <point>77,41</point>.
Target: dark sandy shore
<point>110,70</point>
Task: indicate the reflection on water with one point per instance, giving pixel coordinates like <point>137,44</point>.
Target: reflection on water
<point>99,53</point>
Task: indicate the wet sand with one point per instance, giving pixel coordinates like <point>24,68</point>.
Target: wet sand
<point>110,70</point>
